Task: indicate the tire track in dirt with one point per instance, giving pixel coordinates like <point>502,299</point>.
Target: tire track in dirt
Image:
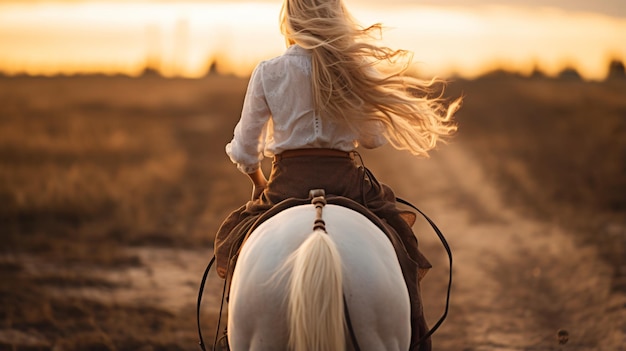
<point>517,281</point>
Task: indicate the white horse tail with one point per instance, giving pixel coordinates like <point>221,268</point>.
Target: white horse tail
<point>316,312</point>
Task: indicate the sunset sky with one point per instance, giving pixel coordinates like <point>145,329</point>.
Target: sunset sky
<point>182,38</point>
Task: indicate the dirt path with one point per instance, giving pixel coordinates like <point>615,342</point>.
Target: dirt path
<point>516,281</point>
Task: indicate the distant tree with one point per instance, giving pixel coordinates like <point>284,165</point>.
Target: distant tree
<point>616,70</point>
<point>537,73</point>
<point>499,73</point>
<point>213,67</point>
<point>569,73</point>
<point>150,71</point>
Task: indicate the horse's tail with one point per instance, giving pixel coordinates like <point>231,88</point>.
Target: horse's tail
<point>316,314</point>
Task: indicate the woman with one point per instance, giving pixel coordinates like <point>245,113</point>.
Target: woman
<point>310,108</point>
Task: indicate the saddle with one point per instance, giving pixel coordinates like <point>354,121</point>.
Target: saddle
<point>226,259</point>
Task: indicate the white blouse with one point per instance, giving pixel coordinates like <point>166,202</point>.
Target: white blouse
<point>278,114</point>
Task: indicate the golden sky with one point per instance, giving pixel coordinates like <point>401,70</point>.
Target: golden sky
<point>182,38</point>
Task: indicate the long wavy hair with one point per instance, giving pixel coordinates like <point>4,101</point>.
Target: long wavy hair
<point>354,80</point>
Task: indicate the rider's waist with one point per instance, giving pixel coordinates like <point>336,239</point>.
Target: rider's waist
<point>313,152</point>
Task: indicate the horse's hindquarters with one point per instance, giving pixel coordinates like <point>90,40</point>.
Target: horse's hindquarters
<point>372,281</point>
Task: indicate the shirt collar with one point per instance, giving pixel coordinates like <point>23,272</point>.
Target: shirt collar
<point>297,50</point>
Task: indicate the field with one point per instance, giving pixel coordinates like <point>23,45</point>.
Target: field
<point>111,190</point>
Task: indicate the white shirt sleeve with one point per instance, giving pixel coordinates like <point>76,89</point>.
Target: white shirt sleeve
<point>246,148</point>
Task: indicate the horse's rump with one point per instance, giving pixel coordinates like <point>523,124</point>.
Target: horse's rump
<point>372,280</point>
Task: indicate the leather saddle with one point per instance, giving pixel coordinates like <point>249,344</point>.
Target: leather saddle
<point>391,234</point>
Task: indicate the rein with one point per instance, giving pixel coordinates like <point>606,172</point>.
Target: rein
<point>199,303</point>
<point>444,242</point>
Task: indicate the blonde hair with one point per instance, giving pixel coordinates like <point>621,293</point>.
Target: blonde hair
<point>355,80</point>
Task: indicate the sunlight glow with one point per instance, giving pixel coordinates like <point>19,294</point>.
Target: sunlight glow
<point>177,39</point>
<point>471,42</point>
<point>185,38</point>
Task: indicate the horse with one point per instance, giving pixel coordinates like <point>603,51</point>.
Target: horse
<point>290,284</point>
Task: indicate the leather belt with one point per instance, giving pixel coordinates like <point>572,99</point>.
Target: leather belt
<point>313,152</point>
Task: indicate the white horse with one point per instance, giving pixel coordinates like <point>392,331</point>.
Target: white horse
<point>289,282</point>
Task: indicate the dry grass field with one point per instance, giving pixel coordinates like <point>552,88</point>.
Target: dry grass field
<point>111,189</point>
